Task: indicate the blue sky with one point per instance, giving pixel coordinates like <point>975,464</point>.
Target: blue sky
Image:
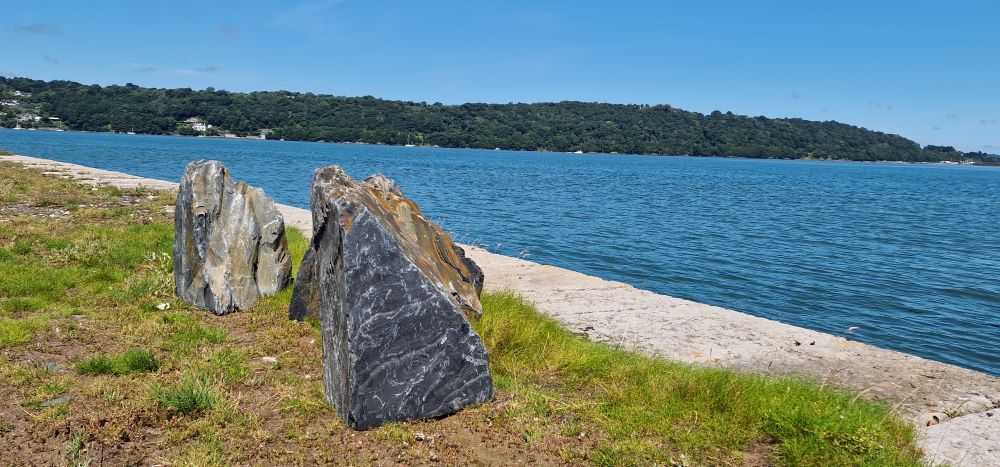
<point>926,70</point>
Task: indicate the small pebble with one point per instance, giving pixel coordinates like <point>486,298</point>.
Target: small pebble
<point>271,360</point>
<point>163,306</point>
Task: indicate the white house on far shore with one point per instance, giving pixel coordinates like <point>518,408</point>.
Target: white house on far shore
<point>197,124</point>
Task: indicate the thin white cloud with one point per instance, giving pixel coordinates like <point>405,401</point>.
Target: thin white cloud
<point>201,70</point>
<point>47,27</point>
<point>51,59</point>
<point>229,31</point>
<point>878,106</point>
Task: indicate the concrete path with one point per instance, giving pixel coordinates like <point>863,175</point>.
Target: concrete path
<point>963,403</point>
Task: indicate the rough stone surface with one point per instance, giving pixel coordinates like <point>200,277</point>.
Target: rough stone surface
<point>229,241</point>
<point>394,296</point>
<point>57,401</point>
<point>972,440</point>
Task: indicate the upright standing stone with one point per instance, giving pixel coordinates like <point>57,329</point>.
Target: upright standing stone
<point>395,296</point>
<point>229,241</point>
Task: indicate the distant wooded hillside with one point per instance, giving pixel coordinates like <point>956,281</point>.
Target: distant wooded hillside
<point>562,126</point>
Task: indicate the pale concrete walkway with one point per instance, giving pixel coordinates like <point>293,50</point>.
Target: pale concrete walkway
<point>706,335</point>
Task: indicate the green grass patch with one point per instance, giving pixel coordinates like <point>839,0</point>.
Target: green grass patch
<point>18,331</point>
<point>297,246</point>
<point>40,281</point>
<point>187,332</point>
<point>656,411</point>
<point>21,305</point>
<point>190,396</point>
<point>132,361</point>
<point>227,367</point>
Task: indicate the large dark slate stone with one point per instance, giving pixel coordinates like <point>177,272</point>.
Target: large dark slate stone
<point>394,295</point>
<point>229,241</point>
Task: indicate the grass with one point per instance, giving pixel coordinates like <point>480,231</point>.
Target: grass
<point>17,331</point>
<point>189,388</point>
<point>190,396</point>
<point>654,410</point>
<point>132,361</point>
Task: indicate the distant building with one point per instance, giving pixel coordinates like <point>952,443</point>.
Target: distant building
<point>22,94</point>
<point>197,124</point>
<point>28,118</point>
<point>9,102</point>
<point>54,119</point>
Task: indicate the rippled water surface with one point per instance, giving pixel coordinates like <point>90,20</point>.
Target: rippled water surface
<point>909,254</point>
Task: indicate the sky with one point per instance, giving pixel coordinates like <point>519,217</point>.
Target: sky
<point>929,71</point>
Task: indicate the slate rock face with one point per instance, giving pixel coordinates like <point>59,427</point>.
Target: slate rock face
<point>394,295</point>
<point>229,241</point>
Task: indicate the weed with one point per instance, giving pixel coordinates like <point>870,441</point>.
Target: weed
<point>45,202</point>
<point>396,432</point>
<point>74,447</point>
<point>531,434</point>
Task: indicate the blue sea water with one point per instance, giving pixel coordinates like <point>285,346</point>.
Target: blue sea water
<point>907,254</point>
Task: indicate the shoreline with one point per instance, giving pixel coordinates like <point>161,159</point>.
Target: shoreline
<point>420,146</point>
<point>921,390</point>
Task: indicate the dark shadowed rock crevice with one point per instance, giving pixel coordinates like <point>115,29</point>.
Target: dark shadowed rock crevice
<point>395,297</point>
<point>229,241</point>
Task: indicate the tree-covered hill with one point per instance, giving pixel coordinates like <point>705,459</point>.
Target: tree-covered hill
<point>563,126</point>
